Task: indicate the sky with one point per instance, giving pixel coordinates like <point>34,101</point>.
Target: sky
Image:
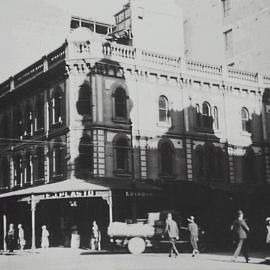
<point>32,28</point>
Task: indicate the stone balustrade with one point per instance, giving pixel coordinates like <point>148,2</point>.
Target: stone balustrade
<point>195,66</point>
<point>242,75</point>
<point>129,55</point>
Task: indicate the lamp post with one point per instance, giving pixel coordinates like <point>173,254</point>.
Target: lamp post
<point>133,180</point>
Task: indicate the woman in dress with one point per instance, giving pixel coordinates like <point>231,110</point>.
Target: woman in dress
<point>10,238</point>
<point>45,237</point>
<point>21,240</point>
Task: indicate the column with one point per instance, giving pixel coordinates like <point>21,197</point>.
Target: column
<point>4,226</point>
<point>189,159</point>
<point>110,207</point>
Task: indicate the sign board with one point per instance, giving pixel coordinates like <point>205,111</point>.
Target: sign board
<point>74,194</point>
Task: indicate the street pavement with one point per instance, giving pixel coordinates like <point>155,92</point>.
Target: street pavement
<point>73,259</point>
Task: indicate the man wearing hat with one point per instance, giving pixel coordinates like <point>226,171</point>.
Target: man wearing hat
<point>241,229</point>
<point>173,233</point>
<point>194,235</point>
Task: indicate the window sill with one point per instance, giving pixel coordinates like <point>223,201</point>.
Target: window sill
<point>122,173</point>
<point>164,124</point>
<point>205,130</point>
<point>121,120</point>
<point>246,133</point>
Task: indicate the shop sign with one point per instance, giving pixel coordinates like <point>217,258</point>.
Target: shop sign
<point>74,194</point>
<point>139,194</point>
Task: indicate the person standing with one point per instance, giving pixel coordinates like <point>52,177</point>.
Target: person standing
<point>241,229</point>
<point>44,237</point>
<point>171,230</point>
<point>10,238</point>
<point>21,240</point>
<point>267,240</point>
<point>95,237</point>
<point>194,235</point>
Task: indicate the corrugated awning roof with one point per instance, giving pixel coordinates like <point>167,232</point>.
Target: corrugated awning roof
<point>75,184</point>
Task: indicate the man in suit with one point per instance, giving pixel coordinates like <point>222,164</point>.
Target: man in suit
<point>241,229</point>
<point>172,230</point>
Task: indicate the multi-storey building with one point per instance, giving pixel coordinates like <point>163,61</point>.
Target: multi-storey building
<point>98,130</point>
<point>233,32</point>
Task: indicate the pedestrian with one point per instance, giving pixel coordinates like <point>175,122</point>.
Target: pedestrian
<point>194,235</point>
<point>44,237</point>
<point>10,238</point>
<point>21,240</point>
<point>95,237</point>
<point>171,230</point>
<point>241,229</point>
<point>267,240</point>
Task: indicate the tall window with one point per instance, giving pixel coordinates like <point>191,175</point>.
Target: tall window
<point>249,166</point>
<point>85,161</point>
<point>207,121</point>
<point>166,157</point>
<point>163,109</point>
<point>120,103</point>
<point>18,127</point>
<point>57,106</point>
<point>40,163</point>
<point>4,173</point>
<point>4,130</point>
<point>216,120</point>
<point>58,159</point>
<point>198,115</point>
<point>122,154</point>
<point>28,168</point>
<point>18,171</point>
<point>84,103</point>
<point>39,118</point>
<point>28,119</point>
<point>245,120</point>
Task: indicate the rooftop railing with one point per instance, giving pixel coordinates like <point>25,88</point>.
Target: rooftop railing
<point>242,75</point>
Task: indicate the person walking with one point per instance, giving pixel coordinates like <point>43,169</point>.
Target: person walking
<point>95,237</point>
<point>194,235</point>
<point>241,229</point>
<point>171,230</point>
<point>10,238</point>
<point>21,240</point>
<point>44,237</point>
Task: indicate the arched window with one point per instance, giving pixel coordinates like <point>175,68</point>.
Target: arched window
<point>39,117</point>
<point>166,157</point>
<point>198,115</point>
<point>4,173</point>
<point>84,103</point>
<point>58,158</point>
<point>85,161</point>
<point>120,103</point>
<point>39,164</point>
<point>245,120</point>
<point>207,121</point>
<point>29,119</point>
<point>28,168</point>
<point>18,171</point>
<point>163,109</point>
<point>57,106</point>
<point>18,128</point>
<point>121,147</point>
<point>216,120</point>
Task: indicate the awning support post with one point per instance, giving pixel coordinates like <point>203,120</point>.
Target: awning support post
<point>110,207</point>
<point>4,231</point>
<point>33,212</point>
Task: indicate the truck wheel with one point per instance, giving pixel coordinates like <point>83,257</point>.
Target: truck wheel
<point>136,245</point>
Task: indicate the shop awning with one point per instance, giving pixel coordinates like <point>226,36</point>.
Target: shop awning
<point>77,185</point>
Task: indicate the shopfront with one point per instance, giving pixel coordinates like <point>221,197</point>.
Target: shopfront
<point>68,208</point>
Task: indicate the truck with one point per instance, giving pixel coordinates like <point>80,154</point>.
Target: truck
<point>143,233</point>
